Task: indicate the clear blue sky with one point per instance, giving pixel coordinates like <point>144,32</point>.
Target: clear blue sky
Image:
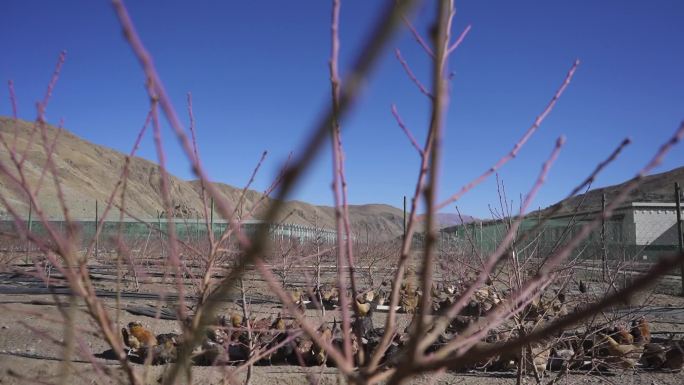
<point>258,73</point>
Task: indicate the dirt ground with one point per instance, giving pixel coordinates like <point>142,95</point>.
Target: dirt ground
<point>32,328</point>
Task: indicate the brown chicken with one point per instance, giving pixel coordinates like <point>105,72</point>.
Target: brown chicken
<point>409,303</point>
<point>235,323</point>
<point>654,356</point>
<point>167,349</point>
<point>210,353</point>
<point>582,287</point>
<point>674,358</point>
<point>641,331</point>
<point>622,336</point>
<point>363,306</point>
<point>236,320</point>
<point>262,324</point>
<point>330,294</point>
<point>496,362</point>
<point>330,298</point>
<point>217,334</point>
<point>297,297</point>
<point>319,354</point>
<point>625,356</point>
<point>303,350</point>
<point>534,310</point>
<point>138,339</point>
<point>436,291</point>
<point>279,323</point>
<point>538,354</point>
<point>557,307</point>
<point>369,296</point>
<point>460,323</point>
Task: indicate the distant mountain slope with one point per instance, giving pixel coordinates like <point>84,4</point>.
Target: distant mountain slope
<point>447,220</point>
<point>89,172</point>
<point>654,188</point>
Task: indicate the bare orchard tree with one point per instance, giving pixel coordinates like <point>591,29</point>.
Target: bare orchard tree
<point>429,344</point>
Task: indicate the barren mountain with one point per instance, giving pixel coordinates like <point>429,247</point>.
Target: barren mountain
<point>654,188</point>
<point>89,172</point>
<point>447,220</point>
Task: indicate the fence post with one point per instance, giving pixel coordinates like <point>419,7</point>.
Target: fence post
<point>680,238</point>
<point>97,236</point>
<point>474,237</point>
<point>404,222</point>
<point>28,240</point>
<point>211,220</point>
<point>481,238</point>
<point>161,234</point>
<point>604,252</point>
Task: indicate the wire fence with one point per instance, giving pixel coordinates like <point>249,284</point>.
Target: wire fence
<point>84,231</point>
<point>637,231</point>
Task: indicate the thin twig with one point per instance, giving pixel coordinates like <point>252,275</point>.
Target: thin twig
<point>516,148</point>
<point>411,75</point>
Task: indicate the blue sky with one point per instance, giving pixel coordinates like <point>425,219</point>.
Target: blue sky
<point>258,74</point>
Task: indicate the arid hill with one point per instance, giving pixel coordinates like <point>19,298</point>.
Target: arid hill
<point>654,188</point>
<point>89,172</point>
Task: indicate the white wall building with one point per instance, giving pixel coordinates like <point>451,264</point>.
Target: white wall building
<point>650,223</point>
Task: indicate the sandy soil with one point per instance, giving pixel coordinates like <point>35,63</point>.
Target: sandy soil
<point>32,328</point>
<point>28,354</point>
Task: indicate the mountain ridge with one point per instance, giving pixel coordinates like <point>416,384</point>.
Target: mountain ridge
<point>88,172</point>
<point>658,187</point>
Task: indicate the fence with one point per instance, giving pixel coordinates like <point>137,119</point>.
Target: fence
<point>637,231</point>
<point>185,229</point>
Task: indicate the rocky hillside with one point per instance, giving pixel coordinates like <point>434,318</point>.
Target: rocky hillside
<point>89,172</point>
<point>654,188</point>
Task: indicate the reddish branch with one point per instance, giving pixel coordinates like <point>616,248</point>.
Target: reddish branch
<point>442,38</point>
<point>408,133</point>
<point>337,175</point>
<point>411,76</point>
<point>492,260</point>
<point>360,69</point>
<point>419,39</point>
<point>516,148</point>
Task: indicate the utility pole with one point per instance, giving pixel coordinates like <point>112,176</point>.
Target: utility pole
<point>680,239</point>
